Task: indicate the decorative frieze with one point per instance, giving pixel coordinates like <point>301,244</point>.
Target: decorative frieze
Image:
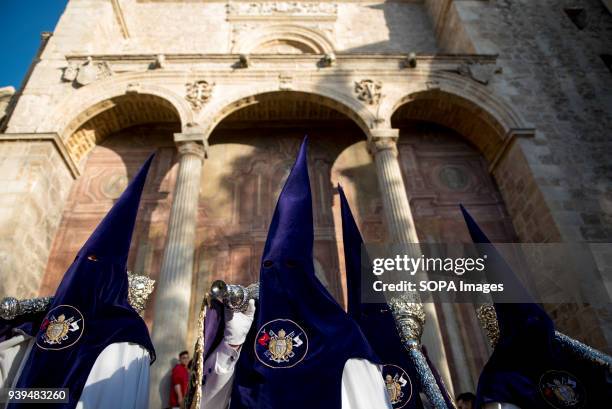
<point>282,10</point>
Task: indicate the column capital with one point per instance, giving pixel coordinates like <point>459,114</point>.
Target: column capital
<point>191,148</point>
<point>383,139</point>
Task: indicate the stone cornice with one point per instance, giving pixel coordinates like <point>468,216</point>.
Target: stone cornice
<point>340,56</point>
<point>215,64</point>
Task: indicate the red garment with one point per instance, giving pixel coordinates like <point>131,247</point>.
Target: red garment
<point>180,376</point>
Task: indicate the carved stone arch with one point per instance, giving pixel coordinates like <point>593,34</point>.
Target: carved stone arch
<point>219,109</point>
<point>92,113</point>
<point>93,99</point>
<point>299,38</point>
<point>483,118</point>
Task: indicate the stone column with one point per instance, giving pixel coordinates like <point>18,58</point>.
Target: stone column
<point>400,224</point>
<point>173,288</point>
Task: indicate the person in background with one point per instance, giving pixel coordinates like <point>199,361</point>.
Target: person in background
<point>180,380</point>
<point>466,400</point>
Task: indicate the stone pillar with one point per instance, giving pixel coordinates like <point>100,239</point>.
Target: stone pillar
<point>401,228</point>
<point>173,288</point>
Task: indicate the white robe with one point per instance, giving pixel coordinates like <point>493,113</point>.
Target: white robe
<point>362,387</point>
<point>119,379</point>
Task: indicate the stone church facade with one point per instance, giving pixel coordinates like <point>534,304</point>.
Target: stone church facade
<point>414,106</point>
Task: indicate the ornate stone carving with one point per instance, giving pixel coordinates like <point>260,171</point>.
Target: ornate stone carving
<point>281,9</point>
<point>368,91</point>
<point>482,73</point>
<point>87,72</point>
<point>70,72</point>
<point>198,93</point>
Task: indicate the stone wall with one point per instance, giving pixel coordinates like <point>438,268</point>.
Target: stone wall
<point>554,75</point>
<point>34,182</point>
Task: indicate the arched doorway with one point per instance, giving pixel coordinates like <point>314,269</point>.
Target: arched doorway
<point>250,154</point>
<point>109,147</point>
<point>446,145</point>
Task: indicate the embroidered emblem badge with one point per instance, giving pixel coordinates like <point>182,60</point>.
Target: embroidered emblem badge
<point>62,327</point>
<point>562,390</point>
<point>281,343</point>
<point>398,385</point>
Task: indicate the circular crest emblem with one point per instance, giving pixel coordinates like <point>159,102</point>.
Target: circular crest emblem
<point>62,327</point>
<point>562,390</point>
<point>397,384</point>
<point>281,343</point>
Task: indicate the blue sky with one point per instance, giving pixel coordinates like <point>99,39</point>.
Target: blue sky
<point>21,22</point>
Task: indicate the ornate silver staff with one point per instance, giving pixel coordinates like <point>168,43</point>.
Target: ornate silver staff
<point>139,289</point>
<point>233,296</point>
<point>488,320</point>
<point>409,316</point>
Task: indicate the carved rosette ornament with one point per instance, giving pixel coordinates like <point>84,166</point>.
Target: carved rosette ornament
<point>198,93</point>
<point>368,91</point>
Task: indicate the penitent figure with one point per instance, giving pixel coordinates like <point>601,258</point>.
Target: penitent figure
<point>297,348</point>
